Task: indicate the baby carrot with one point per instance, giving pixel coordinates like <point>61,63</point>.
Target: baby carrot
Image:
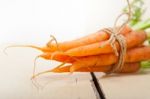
<point>89,39</point>
<point>133,55</point>
<point>132,39</point>
<point>127,68</point>
<point>92,38</point>
<point>58,57</point>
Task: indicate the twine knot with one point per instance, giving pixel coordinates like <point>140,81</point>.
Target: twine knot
<point>115,35</point>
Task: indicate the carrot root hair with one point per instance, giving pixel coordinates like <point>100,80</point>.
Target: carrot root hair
<point>52,57</point>
<point>34,67</point>
<point>44,72</point>
<point>30,46</point>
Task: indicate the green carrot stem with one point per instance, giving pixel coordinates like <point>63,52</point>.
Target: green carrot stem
<point>145,64</point>
<point>142,25</point>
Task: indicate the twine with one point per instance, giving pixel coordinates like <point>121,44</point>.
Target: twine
<point>116,36</point>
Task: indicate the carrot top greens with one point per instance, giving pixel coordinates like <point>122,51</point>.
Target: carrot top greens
<point>137,11</point>
<point>137,22</point>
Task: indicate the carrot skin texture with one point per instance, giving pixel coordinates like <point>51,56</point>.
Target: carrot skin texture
<point>57,57</point>
<point>132,39</point>
<point>127,68</point>
<point>89,39</point>
<point>133,55</point>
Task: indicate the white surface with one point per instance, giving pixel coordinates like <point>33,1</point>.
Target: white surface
<point>130,86</point>
<point>16,70</point>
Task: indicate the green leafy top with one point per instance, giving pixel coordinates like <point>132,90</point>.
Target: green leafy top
<point>137,11</point>
<point>137,22</point>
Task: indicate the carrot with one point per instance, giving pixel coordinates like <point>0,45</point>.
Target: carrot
<point>127,68</point>
<point>89,39</point>
<point>92,38</point>
<point>133,55</point>
<point>132,39</point>
<point>58,57</point>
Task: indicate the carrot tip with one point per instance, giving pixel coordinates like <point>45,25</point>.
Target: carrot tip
<point>35,75</point>
<point>52,70</point>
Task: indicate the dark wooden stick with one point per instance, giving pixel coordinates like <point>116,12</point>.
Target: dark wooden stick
<point>97,86</point>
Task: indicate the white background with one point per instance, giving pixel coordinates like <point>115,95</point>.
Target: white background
<point>32,21</point>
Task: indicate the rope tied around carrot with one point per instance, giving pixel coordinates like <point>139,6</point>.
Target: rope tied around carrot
<point>115,35</point>
<point>95,52</point>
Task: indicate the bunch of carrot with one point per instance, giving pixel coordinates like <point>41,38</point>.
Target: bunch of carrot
<point>92,54</point>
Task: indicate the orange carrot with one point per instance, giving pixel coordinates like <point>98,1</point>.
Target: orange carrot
<point>92,38</point>
<point>127,68</point>
<point>89,39</point>
<point>132,39</point>
<point>58,57</point>
<point>133,55</point>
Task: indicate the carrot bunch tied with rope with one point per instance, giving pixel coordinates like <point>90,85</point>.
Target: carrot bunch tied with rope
<point>119,49</point>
